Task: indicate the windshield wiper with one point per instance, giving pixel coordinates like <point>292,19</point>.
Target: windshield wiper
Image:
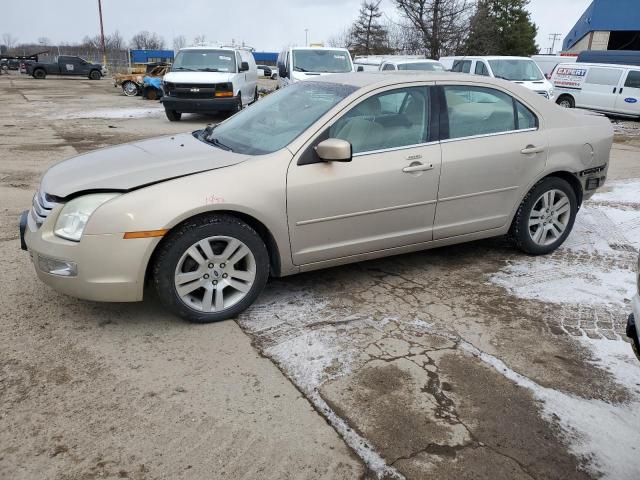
<point>208,70</point>
<point>183,68</point>
<point>219,144</point>
<point>300,69</point>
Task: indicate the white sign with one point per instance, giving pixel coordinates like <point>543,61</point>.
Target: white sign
<point>569,77</point>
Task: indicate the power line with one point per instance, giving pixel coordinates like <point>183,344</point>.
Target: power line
<point>554,37</point>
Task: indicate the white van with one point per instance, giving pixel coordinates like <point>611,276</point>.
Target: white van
<point>548,63</point>
<point>412,64</point>
<point>602,87</point>
<point>302,63</point>
<point>520,70</point>
<point>208,79</point>
<point>372,63</point>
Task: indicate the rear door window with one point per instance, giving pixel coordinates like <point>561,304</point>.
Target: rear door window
<point>388,66</point>
<point>481,69</point>
<point>462,66</point>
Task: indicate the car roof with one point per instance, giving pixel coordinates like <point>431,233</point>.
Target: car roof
<point>601,65</point>
<point>319,48</point>
<point>402,61</point>
<point>392,77</point>
<point>488,57</point>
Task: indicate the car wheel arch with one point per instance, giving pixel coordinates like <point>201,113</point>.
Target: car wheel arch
<point>260,228</point>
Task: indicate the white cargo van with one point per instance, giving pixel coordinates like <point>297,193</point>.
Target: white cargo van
<point>602,87</point>
<point>520,70</point>
<point>302,63</point>
<point>548,63</point>
<point>210,79</point>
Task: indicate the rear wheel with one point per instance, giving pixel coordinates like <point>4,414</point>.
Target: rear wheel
<point>545,217</point>
<point>566,101</point>
<point>211,269</point>
<point>39,74</point>
<point>255,97</point>
<point>172,115</point>
<point>95,75</point>
<point>130,89</point>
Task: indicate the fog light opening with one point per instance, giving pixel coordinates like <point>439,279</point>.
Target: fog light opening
<point>60,268</point>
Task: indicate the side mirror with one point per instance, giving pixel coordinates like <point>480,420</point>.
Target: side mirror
<point>282,71</point>
<point>360,68</point>
<point>334,150</point>
<point>244,66</point>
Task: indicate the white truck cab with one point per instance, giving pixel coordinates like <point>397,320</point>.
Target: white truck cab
<point>412,64</point>
<point>208,79</point>
<point>303,63</point>
<point>603,87</point>
<point>521,70</point>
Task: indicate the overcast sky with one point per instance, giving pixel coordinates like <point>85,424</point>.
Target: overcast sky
<point>264,24</point>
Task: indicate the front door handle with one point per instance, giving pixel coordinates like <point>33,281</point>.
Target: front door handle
<point>531,149</point>
<point>417,167</point>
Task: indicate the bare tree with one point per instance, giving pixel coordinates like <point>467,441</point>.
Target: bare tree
<point>369,35</point>
<point>341,40</point>
<point>9,40</point>
<point>199,39</point>
<point>404,38</point>
<point>147,41</point>
<point>443,24</point>
<point>44,41</point>
<point>115,41</point>
<point>179,42</point>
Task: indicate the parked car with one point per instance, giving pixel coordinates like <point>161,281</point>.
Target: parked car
<point>520,70</point>
<point>412,64</point>
<point>267,71</point>
<point>208,80</point>
<point>620,57</point>
<point>10,63</point>
<point>372,63</point>
<point>633,322</point>
<point>66,65</point>
<point>601,87</point>
<point>548,63</point>
<point>303,63</point>
<point>132,83</point>
<point>324,172</point>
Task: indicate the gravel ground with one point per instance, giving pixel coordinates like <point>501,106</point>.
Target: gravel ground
<point>472,361</point>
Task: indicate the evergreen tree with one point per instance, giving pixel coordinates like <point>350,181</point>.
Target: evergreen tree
<point>502,27</point>
<point>368,35</point>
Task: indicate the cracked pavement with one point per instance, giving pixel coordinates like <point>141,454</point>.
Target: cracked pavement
<point>472,361</point>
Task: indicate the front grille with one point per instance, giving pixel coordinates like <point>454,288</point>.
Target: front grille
<point>41,207</point>
<point>195,95</point>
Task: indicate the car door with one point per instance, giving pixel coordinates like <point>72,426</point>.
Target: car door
<point>67,65</point>
<point>487,159</point>
<point>628,99</point>
<point>600,88</point>
<point>384,197</point>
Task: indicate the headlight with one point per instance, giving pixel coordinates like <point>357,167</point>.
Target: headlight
<point>75,215</point>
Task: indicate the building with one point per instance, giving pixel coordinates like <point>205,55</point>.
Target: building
<point>150,56</point>
<point>265,58</point>
<point>606,25</point>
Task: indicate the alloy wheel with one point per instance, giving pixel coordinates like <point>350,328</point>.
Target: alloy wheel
<point>549,217</point>
<point>215,273</point>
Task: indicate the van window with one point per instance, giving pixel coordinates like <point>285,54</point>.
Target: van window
<point>633,79</point>
<point>603,76</point>
<point>516,70</point>
<point>388,66</point>
<point>392,119</point>
<point>463,66</point>
<point>481,69</point>
<point>205,61</point>
<point>321,61</point>
<point>478,111</point>
<point>426,66</point>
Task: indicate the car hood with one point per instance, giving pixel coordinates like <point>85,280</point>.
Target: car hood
<point>198,77</point>
<point>132,165</point>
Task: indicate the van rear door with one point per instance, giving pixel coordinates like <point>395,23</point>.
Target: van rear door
<point>600,88</point>
<point>628,98</point>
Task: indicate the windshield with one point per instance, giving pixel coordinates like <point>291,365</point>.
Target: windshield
<point>321,61</point>
<point>278,119</point>
<point>205,61</point>
<point>516,70</point>
<point>428,66</point>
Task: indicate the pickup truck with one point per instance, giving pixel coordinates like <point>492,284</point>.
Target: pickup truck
<point>66,65</point>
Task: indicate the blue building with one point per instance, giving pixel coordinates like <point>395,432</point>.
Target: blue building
<point>606,25</point>
<point>265,58</point>
<point>150,56</point>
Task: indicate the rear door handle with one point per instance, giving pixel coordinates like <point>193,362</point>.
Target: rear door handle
<point>417,167</point>
<point>531,149</point>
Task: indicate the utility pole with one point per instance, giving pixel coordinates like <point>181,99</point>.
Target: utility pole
<point>554,37</point>
<point>306,37</point>
<point>104,50</point>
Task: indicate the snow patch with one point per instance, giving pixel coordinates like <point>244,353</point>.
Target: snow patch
<point>113,113</point>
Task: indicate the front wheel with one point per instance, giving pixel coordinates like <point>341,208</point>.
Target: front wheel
<point>566,101</point>
<point>545,216</point>
<point>95,75</point>
<point>211,269</point>
<point>40,74</point>
<point>130,89</point>
<point>172,115</point>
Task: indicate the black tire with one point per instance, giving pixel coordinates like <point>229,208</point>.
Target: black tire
<point>95,75</point>
<point>520,231</point>
<point>566,101</point>
<point>130,89</point>
<point>40,74</point>
<point>256,96</point>
<point>183,237</point>
<point>172,115</point>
